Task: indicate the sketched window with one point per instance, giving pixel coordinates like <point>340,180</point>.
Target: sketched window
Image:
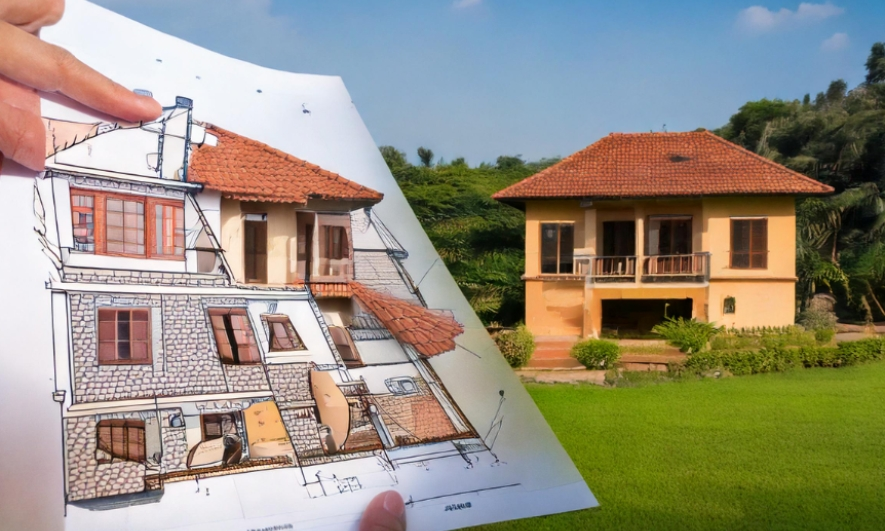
<point>234,336</point>
<point>402,385</point>
<point>557,248</point>
<point>281,334</point>
<point>344,343</point>
<point>83,212</point>
<point>168,235</point>
<point>749,243</point>
<point>125,227</point>
<point>335,240</point>
<point>120,439</point>
<point>124,336</point>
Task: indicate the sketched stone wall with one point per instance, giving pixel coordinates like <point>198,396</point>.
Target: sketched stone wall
<point>144,278</point>
<point>174,443</point>
<point>184,361</point>
<point>243,378</point>
<point>303,431</point>
<point>378,271</point>
<point>87,478</point>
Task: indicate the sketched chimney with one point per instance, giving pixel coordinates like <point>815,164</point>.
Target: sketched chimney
<point>174,141</point>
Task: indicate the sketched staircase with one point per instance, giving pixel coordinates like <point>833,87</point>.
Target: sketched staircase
<point>552,352</point>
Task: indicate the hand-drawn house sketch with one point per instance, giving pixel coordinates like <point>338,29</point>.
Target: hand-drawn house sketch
<point>221,307</point>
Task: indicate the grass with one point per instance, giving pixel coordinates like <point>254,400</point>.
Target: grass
<point>800,450</point>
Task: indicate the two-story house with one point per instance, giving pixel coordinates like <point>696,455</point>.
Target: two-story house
<point>220,306</point>
<point>637,227</point>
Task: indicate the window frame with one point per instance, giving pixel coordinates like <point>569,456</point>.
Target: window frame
<point>149,204</point>
<point>148,341</point>
<point>152,215</point>
<point>750,253</point>
<point>269,321</point>
<point>355,360</point>
<point>559,262</point>
<point>128,427</point>
<point>232,356</point>
<point>78,209</point>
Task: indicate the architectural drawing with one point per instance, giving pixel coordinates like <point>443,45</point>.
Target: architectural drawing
<point>221,307</point>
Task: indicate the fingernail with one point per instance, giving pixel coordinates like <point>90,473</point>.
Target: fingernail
<point>393,503</point>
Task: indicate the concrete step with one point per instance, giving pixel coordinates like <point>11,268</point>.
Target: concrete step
<point>551,353</point>
<point>554,363</point>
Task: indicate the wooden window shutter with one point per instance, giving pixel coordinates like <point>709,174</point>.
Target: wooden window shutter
<point>219,328</point>
<point>104,437</point>
<point>107,335</point>
<point>247,348</point>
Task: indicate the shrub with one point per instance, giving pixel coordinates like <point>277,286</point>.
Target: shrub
<point>782,359</point>
<point>689,336</point>
<point>824,336</point>
<point>596,353</point>
<point>517,346</point>
<point>817,319</point>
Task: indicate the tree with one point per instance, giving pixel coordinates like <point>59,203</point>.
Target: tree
<point>836,91</point>
<point>393,157</point>
<point>876,64</point>
<point>426,156</point>
<point>505,162</point>
<point>807,99</point>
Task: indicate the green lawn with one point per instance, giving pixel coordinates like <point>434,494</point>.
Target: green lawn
<point>799,450</point>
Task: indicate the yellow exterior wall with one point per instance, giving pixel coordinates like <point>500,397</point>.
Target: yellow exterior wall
<point>781,214</point>
<point>763,297</point>
<point>757,303</point>
<point>282,231</point>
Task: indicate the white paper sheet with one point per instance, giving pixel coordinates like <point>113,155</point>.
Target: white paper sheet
<point>515,467</point>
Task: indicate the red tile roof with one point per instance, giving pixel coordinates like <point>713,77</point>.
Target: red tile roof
<point>430,332</point>
<point>659,165</point>
<point>330,289</point>
<point>247,170</point>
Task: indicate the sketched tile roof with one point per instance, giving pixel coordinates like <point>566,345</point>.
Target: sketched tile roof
<point>430,332</point>
<point>662,164</point>
<point>330,289</point>
<point>247,170</point>
<point>61,134</point>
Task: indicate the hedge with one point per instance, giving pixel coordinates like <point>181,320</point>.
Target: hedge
<point>517,346</point>
<point>778,359</point>
<point>596,353</point>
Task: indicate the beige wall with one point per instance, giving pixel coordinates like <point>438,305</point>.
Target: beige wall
<point>763,297</point>
<point>757,303</point>
<point>781,214</point>
<point>281,238</point>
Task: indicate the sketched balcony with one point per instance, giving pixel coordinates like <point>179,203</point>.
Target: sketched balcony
<point>694,267</point>
<point>599,269</point>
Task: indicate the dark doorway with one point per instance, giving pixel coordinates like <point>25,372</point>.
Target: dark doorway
<point>306,222</point>
<point>618,238</point>
<point>639,316</point>
<point>255,244</point>
<point>669,235</point>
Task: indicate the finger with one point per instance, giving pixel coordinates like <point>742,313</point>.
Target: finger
<point>19,96</point>
<point>22,137</point>
<point>31,15</point>
<point>49,68</point>
<point>386,512</point>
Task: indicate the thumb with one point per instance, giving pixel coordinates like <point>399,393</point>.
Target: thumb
<point>386,512</point>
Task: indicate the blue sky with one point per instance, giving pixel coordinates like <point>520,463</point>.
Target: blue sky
<point>482,78</point>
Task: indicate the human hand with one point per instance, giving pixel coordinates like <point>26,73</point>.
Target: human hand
<point>28,65</point>
<point>386,512</point>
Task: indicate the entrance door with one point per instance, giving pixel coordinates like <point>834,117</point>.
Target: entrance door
<point>669,235</point>
<point>255,252</point>
<point>618,238</point>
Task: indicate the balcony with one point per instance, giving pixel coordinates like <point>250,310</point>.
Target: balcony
<point>680,268</point>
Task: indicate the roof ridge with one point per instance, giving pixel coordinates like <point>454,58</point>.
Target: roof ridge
<point>732,145</point>
<point>549,169</point>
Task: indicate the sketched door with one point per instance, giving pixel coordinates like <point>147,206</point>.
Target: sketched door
<point>255,248</point>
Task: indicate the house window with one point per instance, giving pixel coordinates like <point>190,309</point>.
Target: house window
<point>281,334</point>
<point>168,230</point>
<point>83,211</point>
<point>749,243</point>
<point>127,225</point>
<point>124,336</point>
<point>728,306</point>
<point>344,343</point>
<point>120,439</point>
<point>402,385</point>
<point>335,239</point>
<point>217,426</point>
<point>669,235</point>
<point>557,248</point>
<point>234,336</point>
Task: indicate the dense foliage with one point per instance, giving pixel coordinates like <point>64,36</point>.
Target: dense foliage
<point>688,335</point>
<point>596,353</point>
<point>837,137</point>
<point>517,346</point>
<point>779,359</point>
<point>481,241</point>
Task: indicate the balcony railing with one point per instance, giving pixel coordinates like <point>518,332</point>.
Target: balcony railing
<point>693,267</point>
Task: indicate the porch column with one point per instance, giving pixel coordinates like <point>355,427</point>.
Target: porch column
<point>639,214</point>
<point>590,230</point>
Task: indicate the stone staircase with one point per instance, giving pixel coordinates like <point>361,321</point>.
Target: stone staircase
<point>552,352</point>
